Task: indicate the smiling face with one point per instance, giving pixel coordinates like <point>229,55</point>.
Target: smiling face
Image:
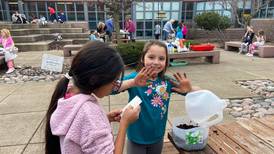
<point>156,57</point>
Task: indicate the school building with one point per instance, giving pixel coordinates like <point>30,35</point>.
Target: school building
<point>146,13</point>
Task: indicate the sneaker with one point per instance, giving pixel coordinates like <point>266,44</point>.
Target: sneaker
<point>247,54</point>
<point>10,70</point>
<point>250,55</point>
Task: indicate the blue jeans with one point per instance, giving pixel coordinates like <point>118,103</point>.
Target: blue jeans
<point>165,35</point>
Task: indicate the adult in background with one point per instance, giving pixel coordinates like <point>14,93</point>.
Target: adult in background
<point>168,29</point>
<point>110,28</point>
<point>247,40</point>
<point>52,14</point>
<point>101,30</point>
<point>130,28</point>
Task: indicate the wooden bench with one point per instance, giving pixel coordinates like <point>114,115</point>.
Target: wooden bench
<point>232,45</point>
<point>210,56</point>
<point>68,48</point>
<point>243,136</point>
<point>265,51</point>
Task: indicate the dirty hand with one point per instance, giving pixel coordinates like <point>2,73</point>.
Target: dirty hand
<point>183,85</point>
<point>144,75</point>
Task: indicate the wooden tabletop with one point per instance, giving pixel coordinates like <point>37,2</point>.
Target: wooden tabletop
<point>243,136</point>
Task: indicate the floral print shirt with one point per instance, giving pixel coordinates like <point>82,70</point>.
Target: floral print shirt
<point>155,96</point>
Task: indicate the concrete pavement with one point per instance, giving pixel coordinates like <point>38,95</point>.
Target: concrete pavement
<point>23,106</point>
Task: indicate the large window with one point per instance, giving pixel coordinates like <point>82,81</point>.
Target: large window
<point>223,9</point>
<point>80,11</point>
<point>187,11</point>
<point>270,12</point>
<point>147,15</point>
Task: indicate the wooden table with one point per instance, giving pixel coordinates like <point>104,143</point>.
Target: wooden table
<point>243,136</point>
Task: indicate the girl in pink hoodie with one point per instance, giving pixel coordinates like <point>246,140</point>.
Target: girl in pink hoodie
<point>8,44</point>
<point>75,121</point>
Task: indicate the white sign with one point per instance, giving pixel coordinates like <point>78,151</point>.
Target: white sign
<point>52,63</point>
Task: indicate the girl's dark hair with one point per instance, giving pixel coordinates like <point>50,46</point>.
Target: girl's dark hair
<point>145,50</point>
<point>95,65</point>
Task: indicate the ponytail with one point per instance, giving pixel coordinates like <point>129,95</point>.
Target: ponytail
<point>52,141</point>
<point>95,65</point>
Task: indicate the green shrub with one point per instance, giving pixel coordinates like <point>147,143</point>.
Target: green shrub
<point>211,21</point>
<point>130,52</point>
<point>191,42</point>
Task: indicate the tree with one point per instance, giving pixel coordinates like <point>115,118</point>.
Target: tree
<point>115,9</point>
<point>213,21</point>
<point>239,13</point>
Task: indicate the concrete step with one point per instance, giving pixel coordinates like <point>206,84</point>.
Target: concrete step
<point>18,26</point>
<point>9,25</point>
<point>18,32</point>
<point>75,35</point>
<point>80,41</point>
<point>34,46</point>
<point>66,30</point>
<point>30,26</point>
<point>28,38</point>
<point>40,37</point>
<point>56,25</point>
<point>43,45</point>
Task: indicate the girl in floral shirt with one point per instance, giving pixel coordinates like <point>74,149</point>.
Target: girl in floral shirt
<point>154,88</point>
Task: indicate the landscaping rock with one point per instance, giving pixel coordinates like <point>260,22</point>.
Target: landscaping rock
<point>255,107</point>
<point>28,73</point>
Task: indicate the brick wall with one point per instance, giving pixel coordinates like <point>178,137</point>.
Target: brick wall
<point>231,34</point>
<point>267,25</point>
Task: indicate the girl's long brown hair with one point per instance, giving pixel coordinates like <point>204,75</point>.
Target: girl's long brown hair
<point>147,46</point>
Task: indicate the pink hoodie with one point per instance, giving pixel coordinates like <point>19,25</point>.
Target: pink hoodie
<point>82,126</point>
<point>9,42</point>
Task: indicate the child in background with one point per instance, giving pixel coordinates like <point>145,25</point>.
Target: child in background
<point>247,40</point>
<point>92,35</point>
<point>8,45</point>
<point>179,31</point>
<point>154,88</point>
<point>184,30</point>
<point>75,121</point>
<point>157,31</point>
<point>260,42</point>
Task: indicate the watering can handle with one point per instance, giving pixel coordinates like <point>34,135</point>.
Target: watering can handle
<point>215,121</point>
<point>218,119</point>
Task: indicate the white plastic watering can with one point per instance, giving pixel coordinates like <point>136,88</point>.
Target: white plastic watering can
<point>202,106</point>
